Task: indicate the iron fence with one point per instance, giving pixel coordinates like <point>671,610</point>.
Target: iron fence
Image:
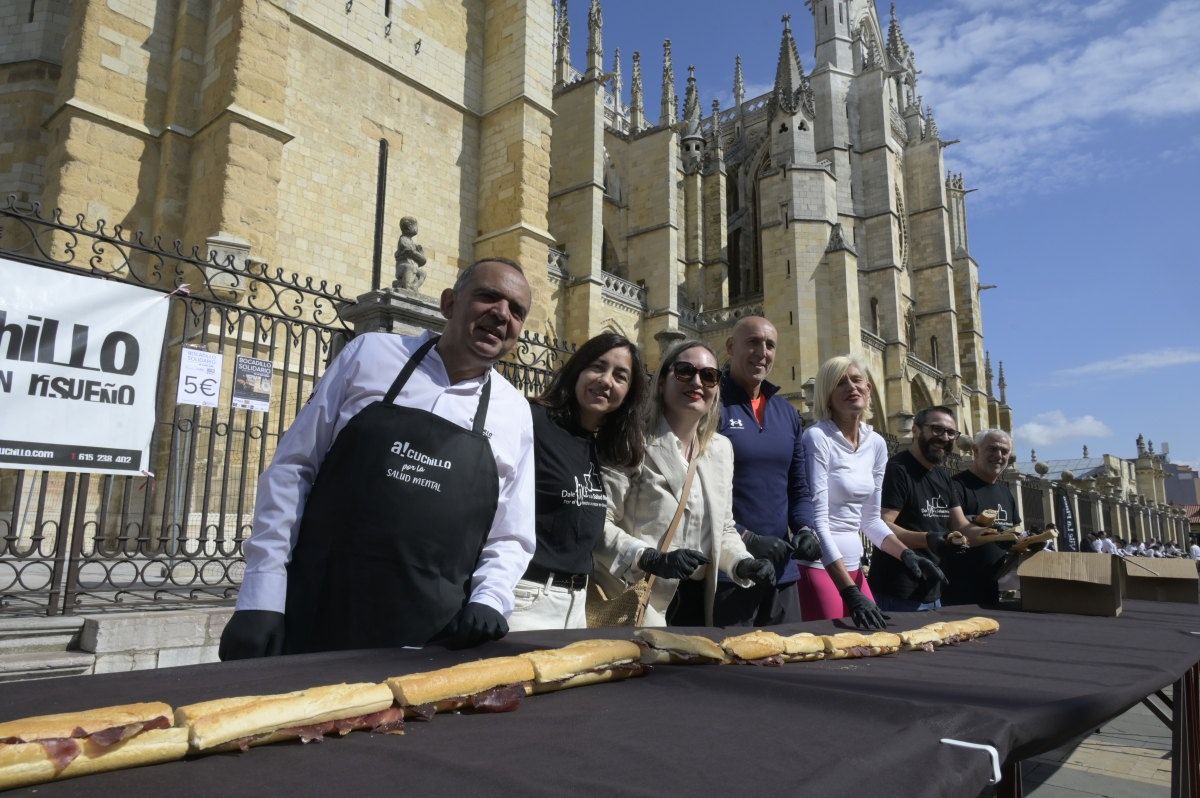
<point>72,542</point>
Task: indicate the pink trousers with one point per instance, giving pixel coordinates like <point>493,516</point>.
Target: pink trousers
<point>819,597</point>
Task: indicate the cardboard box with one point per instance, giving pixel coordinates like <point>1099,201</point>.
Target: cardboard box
<point>1171,580</point>
<point>1072,582</point>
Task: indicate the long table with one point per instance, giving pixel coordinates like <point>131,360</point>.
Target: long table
<point>829,728</point>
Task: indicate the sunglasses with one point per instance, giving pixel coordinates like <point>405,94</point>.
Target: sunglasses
<point>684,372</point>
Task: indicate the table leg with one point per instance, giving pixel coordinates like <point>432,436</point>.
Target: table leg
<point>1010,785</point>
<point>1185,736</point>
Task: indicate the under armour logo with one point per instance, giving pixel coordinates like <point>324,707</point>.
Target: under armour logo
<point>736,423</point>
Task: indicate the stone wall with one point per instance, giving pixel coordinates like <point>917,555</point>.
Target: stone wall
<point>136,641</point>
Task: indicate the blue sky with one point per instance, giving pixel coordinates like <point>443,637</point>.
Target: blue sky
<point>1079,123</point>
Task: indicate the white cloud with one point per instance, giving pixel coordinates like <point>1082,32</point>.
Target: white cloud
<point>1048,428</point>
<point>1129,364</point>
<point>1034,89</point>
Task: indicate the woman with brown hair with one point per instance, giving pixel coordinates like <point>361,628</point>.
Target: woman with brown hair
<point>683,417</point>
<point>588,417</point>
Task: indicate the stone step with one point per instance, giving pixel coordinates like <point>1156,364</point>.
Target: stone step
<point>40,634</point>
<point>44,665</point>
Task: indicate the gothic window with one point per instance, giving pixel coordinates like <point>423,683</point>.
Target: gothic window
<point>933,352</point>
<point>608,257</point>
<point>875,315</point>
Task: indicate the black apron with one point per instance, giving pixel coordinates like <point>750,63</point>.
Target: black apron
<point>393,528</point>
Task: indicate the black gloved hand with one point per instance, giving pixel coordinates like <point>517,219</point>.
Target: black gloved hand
<point>921,568</point>
<point>937,543</point>
<point>251,634</point>
<point>863,611</point>
<point>760,571</point>
<point>474,624</point>
<point>767,547</point>
<point>806,546</point>
<point>678,564</point>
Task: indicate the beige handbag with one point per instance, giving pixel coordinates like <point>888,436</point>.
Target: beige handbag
<point>627,607</point>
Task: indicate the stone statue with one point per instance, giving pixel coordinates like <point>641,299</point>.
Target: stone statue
<point>1141,444</point>
<point>410,258</point>
<point>1085,451</point>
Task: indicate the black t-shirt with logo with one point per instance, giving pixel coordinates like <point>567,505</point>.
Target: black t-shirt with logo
<point>570,504</point>
<point>973,573</point>
<point>924,497</point>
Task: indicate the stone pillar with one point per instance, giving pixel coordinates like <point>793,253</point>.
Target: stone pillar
<point>576,202</point>
<point>515,142</point>
<point>394,311</point>
<point>1015,487</point>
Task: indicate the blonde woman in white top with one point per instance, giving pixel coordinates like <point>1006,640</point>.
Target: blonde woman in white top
<point>845,461</point>
<point>641,502</point>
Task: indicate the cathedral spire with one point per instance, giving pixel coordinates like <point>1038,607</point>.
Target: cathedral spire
<point>791,87</point>
<point>618,85</point>
<point>931,129</point>
<point>718,153</point>
<point>987,372</point>
<point>739,83</point>
<point>897,47</point>
<point>595,51</point>
<point>1003,386</point>
<point>691,104</point>
<point>562,45</point>
<point>637,107</point>
<point>669,107</point>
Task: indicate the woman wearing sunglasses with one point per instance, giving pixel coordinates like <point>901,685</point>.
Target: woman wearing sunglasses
<point>589,416</point>
<point>845,460</point>
<point>681,427</point>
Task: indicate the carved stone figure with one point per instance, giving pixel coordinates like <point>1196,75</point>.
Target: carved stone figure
<point>410,258</point>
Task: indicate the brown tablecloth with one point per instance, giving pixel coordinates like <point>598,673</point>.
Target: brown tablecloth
<point>848,727</point>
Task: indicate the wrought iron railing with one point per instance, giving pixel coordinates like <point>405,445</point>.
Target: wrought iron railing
<point>77,542</point>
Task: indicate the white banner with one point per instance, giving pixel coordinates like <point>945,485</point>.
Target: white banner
<point>79,360</point>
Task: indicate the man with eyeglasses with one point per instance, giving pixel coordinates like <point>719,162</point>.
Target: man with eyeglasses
<point>770,492</point>
<point>921,508</point>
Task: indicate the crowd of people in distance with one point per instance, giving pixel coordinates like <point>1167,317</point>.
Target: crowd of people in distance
<point>1105,543</point>
<point>419,497</point>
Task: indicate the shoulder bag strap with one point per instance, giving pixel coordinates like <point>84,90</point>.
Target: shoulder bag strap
<point>669,536</point>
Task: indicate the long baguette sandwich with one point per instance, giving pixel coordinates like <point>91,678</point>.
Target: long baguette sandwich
<point>803,647</point>
<point>852,644</point>
<point>51,747</point>
<point>660,647</point>
<point>227,724</point>
<point>496,684</point>
<point>923,639</point>
<point>755,648</point>
<point>986,626</point>
<point>584,662</point>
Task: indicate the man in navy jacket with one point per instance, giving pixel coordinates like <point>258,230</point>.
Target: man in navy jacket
<point>771,503</point>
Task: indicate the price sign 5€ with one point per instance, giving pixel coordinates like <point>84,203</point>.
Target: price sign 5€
<point>199,377</point>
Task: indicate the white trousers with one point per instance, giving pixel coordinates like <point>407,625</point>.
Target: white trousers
<point>543,606</point>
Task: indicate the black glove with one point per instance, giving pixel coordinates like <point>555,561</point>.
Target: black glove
<point>806,546</point>
<point>474,624</point>
<point>863,611</point>
<point>251,634</point>
<point>678,564</point>
<point>937,543</point>
<point>922,568</point>
<point>766,547</point>
<point>760,571</point>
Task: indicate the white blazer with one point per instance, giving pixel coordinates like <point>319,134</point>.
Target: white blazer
<point>641,503</point>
